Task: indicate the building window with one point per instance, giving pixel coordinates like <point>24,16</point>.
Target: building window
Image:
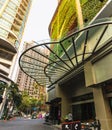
<point>84,112</point>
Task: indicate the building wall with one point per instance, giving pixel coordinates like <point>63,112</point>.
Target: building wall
<point>95,79</point>
<point>28,84</point>
<point>72,15</point>
<point>13,17</point>
<point>103,69</point>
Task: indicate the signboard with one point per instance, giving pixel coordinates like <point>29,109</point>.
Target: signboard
<point>76,125</point>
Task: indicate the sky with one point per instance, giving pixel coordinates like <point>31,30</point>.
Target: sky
<point>39,19</point>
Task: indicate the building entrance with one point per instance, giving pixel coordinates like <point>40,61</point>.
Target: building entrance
<point>55,111</point>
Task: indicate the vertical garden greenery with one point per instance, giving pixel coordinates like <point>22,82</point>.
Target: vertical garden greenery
<point>90,8</point>
<point>68,20</point>
<point>65,17</point>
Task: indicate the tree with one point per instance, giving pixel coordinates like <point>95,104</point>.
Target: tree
<point>3,85</point>
<point>13,97</point>
<point>15,94</point>
<point>28,103</point>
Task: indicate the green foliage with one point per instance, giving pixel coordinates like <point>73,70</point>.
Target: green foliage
<point>17,100</point>
<point>59,50</point>
<point>83,1</point>
<point>64,19</point>
<point>33,102</point>
<point>15,94</point>
<point>3,85</point>
<point>28,102</point>
<point>90,8</point>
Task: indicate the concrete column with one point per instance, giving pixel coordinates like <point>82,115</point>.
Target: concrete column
<point>89,74</point>
<point>79,13</point>
<point>65,102</point>
<point>103,112</point>
<point>65,107</point>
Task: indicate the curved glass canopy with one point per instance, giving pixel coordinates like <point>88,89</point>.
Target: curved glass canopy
<point>48,63</point>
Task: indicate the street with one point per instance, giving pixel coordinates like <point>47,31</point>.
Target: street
<point>26,124</point>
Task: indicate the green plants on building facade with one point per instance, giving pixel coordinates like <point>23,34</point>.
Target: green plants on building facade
<point>66,20</point>
<point>65,17</point>
<point>90,8</point>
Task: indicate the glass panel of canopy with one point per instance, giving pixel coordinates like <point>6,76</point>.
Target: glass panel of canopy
<point>50,62</point>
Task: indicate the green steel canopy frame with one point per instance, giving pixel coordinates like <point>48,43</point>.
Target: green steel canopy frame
<point>48,66</point>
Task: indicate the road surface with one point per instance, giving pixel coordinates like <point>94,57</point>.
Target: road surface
<point>26,124</point>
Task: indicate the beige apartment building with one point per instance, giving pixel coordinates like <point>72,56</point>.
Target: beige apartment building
<point>13,17</point>
<point>29,84</point>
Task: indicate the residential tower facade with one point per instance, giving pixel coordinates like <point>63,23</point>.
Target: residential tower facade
<point>13,17</point>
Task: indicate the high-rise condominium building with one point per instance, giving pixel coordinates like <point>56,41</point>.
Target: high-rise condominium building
<point>13,17</point>
<point>30,85</point>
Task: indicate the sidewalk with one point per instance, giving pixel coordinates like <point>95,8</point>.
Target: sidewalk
<point>56,126</point>
<point>5,120</point>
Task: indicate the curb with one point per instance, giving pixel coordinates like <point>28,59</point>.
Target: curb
<point>58,127</point>
<point>55,126</point>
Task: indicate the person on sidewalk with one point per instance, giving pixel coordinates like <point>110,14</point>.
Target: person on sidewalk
<point>47,117</point>
<point>70,117</point>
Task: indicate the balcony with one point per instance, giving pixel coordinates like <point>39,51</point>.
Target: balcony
<point>4,70</point>
<point>7,45</point>
<point>7,39</point>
